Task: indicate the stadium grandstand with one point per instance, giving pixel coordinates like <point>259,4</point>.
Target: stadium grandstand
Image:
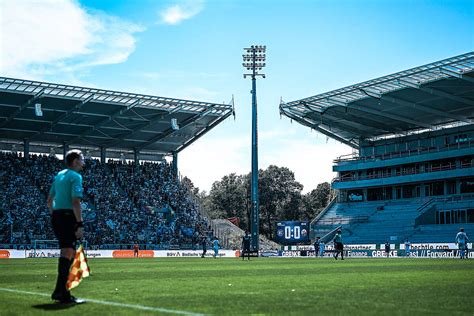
<point>132,191</point>
<point>411,173</point>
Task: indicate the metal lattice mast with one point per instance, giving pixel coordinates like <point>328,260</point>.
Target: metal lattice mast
<point>254,60</point>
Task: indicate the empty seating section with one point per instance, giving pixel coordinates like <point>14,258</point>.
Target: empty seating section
<point>392,220</point>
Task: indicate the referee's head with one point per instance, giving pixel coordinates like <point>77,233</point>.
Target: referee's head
<point>74,160</point>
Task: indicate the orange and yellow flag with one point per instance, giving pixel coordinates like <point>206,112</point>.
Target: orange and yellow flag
<point>79,269</point>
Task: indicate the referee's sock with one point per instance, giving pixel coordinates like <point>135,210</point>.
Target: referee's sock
<point>63,272</point>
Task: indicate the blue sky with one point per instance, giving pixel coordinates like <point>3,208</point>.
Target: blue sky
<point>192,50</point>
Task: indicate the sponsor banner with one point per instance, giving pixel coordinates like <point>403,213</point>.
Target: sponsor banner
<point>435,246</point>
<point>414,246</point>
<point>382,246</point>
<point>99,253</point>
<point>12,254</point>
<point>436,253</point>
<point>269,253</point>
<point>330,246</point>
<point>196,253</point>
<point>54,253</point>
<point>131,254</point>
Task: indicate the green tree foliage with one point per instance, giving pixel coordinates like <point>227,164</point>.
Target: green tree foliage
<point>228,198</point>
<point>316,200</point>
<point>280,198</point>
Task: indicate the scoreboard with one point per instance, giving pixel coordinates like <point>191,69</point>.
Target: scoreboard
<point>292,232</point>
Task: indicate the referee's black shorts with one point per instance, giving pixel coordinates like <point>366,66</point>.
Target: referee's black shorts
<point>339,246</point>
<point>64,227</point>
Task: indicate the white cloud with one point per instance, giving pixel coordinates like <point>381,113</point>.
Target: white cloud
<point>56,36</point>
<point>179,12</point>
<point>311,162</point>
<point>207,161</point>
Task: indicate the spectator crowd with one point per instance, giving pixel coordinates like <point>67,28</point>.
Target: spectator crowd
<point>123,203</point>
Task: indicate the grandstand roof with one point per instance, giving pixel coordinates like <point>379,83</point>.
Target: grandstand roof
<point>93,118</point>
<point>429,97</point>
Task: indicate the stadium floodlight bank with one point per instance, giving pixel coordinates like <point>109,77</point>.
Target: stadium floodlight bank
<point>411,175</point>
<point>254,61</point>
<point>44,117</point>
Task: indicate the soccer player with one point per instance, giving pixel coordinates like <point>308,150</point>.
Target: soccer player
<point>204,245</point>
<point>387,249</point>
<point>215,246</point>
<point>322,247</point>
<point>338,244</point>
<point>135,250</point>
<point>407,248</point>
<point>462,240</point>
<point>246,245</point>
<point>317,245</point>
<point>64,203</point>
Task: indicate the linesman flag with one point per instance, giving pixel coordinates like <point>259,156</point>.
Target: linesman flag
<point>79,269</point>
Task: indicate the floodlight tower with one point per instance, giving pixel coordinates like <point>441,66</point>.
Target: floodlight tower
<point>254,60</point>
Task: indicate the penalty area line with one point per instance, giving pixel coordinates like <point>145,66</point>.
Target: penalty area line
<point>108,303</point>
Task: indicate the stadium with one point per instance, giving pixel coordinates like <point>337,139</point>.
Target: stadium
<point>410,177</point>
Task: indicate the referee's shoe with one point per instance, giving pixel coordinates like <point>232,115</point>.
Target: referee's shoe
<point>66,298</point>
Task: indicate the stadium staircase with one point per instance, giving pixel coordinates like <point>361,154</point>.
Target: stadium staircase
<point>230,236</point>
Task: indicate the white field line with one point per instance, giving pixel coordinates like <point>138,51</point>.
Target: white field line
<point>131,306</point>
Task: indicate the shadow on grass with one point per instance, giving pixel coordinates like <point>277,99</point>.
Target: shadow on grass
<point>53,306</point>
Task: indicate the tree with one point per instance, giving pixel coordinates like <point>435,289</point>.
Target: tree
<point>316,200</point>
<point>228,198</point>
<point>186,182</point>
<point>280,197</point>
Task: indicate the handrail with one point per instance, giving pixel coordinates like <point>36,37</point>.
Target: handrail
<point>404,173</point>
<point>405,153</point>
<point>451,198</point>
<point>323,211</point>
<point>329,236</point>
<point>349,220</point>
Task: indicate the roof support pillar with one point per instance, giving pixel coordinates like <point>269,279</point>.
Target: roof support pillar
<point>26,149</point>
<point>135,157</point>
<point>102,155</point>
<point>175,165</point>
<point>65,150</point>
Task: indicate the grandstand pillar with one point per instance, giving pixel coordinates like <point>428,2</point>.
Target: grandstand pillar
<point>364,191</point>
<point>65,150</point>
<point>135,157</point>
<point>26,149</point>
<point>175,165</point>
<point>102,155</point>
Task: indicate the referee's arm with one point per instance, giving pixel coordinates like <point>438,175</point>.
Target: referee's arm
<point>52,193</point>
<point>76,196</point>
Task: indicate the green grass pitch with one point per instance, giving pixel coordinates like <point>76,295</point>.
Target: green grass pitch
<point>275,286</point>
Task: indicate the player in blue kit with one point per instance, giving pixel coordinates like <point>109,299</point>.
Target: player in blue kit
<point>215,246</point>
<point>407,248</point>
<point>462,240</point>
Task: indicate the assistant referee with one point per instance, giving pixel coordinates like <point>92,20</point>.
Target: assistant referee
<point>64,203</point>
